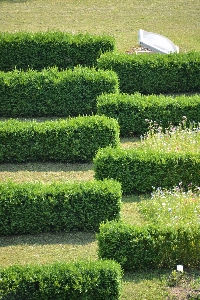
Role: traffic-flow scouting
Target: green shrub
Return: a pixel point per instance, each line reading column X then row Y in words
column 150, row 246
column 78, row 280
column 27, row 208
column 53, row 93
column 154, row 74
column 141, row 169
column 70, row 140
column 23, row 50
column 133, row 111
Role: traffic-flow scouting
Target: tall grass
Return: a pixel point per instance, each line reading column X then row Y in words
column 173, row 139
column 175, row 207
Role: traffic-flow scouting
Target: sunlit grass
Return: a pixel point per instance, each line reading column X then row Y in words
column 46, row 172
column 178, row 20
column 47, row 248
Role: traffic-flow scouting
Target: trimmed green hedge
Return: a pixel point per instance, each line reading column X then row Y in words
column 71, row 140
column 24, row 50
column 131, row 111
column 139, row 170
column 53, row 93
column 147, row 247
column 61, row 281
column 29, row 208
column 154, row 74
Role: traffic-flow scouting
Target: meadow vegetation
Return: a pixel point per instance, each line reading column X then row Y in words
column 121, row 19
column 174, row 139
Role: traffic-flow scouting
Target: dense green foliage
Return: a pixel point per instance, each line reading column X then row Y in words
column 28, row 208
column 53, row 93
column 154, row 74
column 134, row 112
column 150, row 246
column 139, row 170
column 23, row 50
column 61, row 281
column 71, row 140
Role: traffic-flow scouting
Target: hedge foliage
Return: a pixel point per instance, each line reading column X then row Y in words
column 24, row 50
column 29, row 208
column 52, row 92
column 154, row 74
column 139, row 170
column 149, row 246
column 71, row 140
column 132, row 111
column 61, row 281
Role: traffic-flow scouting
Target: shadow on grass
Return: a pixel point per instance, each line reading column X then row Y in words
column 135, row 198
column 139, row 275
column 71, row 238
column 46, row 167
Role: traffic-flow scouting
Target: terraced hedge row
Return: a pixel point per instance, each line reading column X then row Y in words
column 149, row 246
column 139, row 170
column 67, row 140
column 154, row 74
column 60, row 281
column 29, row 208
column 26, row 50
column 133, row 111
column 53, row 93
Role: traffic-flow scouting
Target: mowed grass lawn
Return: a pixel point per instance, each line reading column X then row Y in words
column 178, row 20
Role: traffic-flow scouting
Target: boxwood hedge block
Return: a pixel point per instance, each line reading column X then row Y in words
column 154, row 74
column 28, row 208
column 133, row 111
column 61, row 281
column 149, row 246
column 53, row 93
column 139, row 170
column 70, row 140
column 24, row 50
